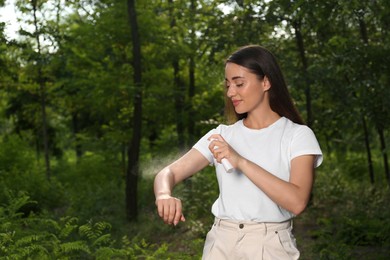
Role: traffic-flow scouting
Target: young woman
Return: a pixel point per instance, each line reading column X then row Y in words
column 273, row 155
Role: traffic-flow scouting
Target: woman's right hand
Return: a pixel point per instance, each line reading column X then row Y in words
column 170, row 209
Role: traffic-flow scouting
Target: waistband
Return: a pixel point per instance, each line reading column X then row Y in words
column 251, row 226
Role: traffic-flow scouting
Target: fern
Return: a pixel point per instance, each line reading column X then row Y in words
column 48, row 224
column 27, row 240
column 104, row 253
column 27, row 252
column 102, row 240
column 102, row 225
column 70, row 225
column 36, row 251
column 15, row 203
column 141, row 249
column 87, row 231
column 93, row 231
column 39, row 237
column 74, row 246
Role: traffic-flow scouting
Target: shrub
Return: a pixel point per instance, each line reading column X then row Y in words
column 20, row 171
column 40, row 237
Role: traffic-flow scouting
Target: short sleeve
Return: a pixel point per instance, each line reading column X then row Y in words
column 203, row 145
column 304, row 142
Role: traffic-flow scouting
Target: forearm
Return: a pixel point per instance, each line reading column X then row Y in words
column 170, row 208
column 186, row 166
column 164, row 183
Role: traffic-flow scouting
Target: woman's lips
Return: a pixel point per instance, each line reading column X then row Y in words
column 236, row 102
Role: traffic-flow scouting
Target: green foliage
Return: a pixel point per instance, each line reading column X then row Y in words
column 16, row 155
column 44, row 238
column 21, row 172
column 86, row 67
column 91, row 185
column 350, row 217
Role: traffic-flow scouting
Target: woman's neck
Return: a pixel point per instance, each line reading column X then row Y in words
column 259, row 121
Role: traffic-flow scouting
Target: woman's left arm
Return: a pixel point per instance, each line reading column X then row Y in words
column 292, row 195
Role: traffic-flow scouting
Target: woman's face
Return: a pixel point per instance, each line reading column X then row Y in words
column 244, row 89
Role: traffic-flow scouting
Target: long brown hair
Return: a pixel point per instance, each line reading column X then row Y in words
column 262, row 62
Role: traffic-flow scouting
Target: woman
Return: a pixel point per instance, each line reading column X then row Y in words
column 273, row 155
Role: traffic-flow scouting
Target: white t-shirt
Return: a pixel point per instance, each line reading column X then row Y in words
column 272, row 148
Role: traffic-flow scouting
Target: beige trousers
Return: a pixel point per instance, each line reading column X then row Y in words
column 230, row 240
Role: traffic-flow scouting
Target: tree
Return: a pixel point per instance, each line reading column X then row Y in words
column 35, row 79
column 178, row 84
column 134, row 147
column 42, row 88
column 377, row 106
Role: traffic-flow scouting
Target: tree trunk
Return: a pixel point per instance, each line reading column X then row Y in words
column 123, row 158
column 301, row 50
column 191, row 75
column 179, row 105
column 364, row 36
column 178, row 87
column 368, row 150
column 42, row 94
column 191, row 94
column 384, row 153
column 76, row 131
column 134, row 146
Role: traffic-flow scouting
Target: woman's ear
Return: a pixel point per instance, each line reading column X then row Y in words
column 266, row 84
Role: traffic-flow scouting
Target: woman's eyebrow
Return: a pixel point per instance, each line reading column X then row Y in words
column 235, row 77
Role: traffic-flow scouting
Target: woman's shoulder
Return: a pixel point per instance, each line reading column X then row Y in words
column 297, row 129
column 228, row 128
column 232, row 125
column 289, row 123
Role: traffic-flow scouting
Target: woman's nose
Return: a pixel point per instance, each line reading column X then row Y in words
column 230, row 92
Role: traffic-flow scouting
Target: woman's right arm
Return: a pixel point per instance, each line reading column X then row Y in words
column 170, row 208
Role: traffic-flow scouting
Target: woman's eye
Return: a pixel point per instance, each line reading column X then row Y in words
column 240, row 84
